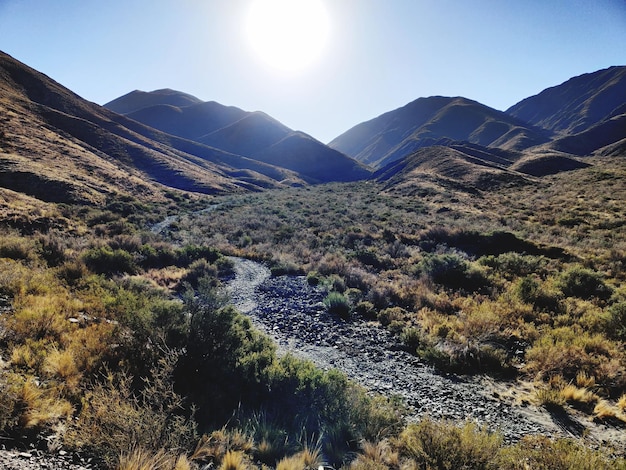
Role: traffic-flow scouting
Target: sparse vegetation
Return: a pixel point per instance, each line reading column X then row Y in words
column 115, row 342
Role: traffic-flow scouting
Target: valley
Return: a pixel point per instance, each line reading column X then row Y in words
column 186, row 285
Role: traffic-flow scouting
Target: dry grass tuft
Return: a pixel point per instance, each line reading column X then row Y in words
column 579, row 397
column 621, row 403
column 141, row 459
column 234, row 460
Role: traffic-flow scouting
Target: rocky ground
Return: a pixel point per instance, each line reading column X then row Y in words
column 34, row 459
column 292, row 313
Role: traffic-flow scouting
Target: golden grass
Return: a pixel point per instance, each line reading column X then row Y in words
column 213, row 447
column 376, row 455
column 621, row 403
column 579, row 396
column 234, row 460
column 41, row 406
column 141, row 459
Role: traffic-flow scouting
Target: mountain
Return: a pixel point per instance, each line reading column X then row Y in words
column 577, row 104
column 254, row 135
column 188, row 122
column 426, row 121
column 250, row 135
column 462, row 142
column 58, row 147
column 587, row 113
column 136, row 100
column 461, row 167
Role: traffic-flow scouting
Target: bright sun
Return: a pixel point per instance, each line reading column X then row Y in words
column 288, row 35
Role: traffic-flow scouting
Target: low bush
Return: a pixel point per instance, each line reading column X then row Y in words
column 583, row 283
column 451, row 270
column 616, row 325
column 443, row 445
column 542, row 452
column 105, row 260
column 337, row 304
column 226, row 362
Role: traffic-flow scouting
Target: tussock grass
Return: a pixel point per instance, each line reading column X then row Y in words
column 141, row 459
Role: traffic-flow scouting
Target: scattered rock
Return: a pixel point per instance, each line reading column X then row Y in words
column 287, row 309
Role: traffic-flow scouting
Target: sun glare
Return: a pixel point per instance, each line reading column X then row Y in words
column 288, row 35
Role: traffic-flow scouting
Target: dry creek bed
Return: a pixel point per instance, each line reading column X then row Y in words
column 291, row 312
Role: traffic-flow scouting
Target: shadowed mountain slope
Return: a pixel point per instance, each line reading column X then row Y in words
column 457, row 167
column 58, row 147
column 189, row 122
column 249, row 135
column 426, row 121
column 316, row 162
column 577, row 104
column 136, row 100
column 593, row 139
column 254, row 135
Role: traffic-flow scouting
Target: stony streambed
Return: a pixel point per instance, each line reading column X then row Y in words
column 291, row 311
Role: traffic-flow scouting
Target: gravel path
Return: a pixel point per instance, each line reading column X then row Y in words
column 291, row 311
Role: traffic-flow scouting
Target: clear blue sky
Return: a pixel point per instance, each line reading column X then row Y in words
column 383, row 53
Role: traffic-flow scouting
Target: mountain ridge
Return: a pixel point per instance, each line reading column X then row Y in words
column 254, row 135
column 425, row 121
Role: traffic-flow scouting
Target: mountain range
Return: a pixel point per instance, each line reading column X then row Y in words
column 57, row 147
column 254, row 135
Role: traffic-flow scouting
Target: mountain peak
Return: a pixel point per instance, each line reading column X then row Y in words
column 138, row 99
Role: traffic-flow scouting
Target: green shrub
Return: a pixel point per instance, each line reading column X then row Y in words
column 337, row 304
column 617, row 321
column 391, row 314
column 443, row 445
column 190, row 253
column 583, row 283
column 104, row 260
column 312, row 402
column 411, row 337
column 514, row 264
column 226, row 362
column 200, row 269
column 527, row 289
column 313, row 278
column 451, row 270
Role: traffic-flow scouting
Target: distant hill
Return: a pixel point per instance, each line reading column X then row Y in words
column 254, row 135
column 426, row 121
column 136, row 100
column 189, row 122
column 460, row 141
column 577, row 104
column 459, row 167
column 251, row 134
column 58, row 147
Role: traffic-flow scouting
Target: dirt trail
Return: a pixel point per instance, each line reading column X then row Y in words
column 289, row 310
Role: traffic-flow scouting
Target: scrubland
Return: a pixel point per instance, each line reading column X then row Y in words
column 116, row 342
